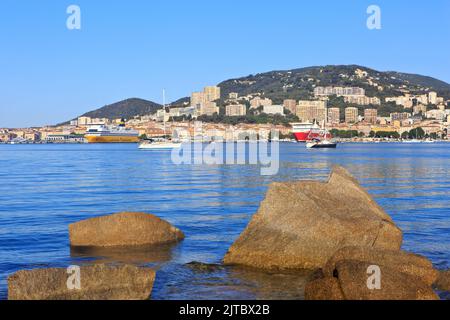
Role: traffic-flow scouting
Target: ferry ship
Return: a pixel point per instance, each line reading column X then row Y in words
column 306, row 131
column 100, row 133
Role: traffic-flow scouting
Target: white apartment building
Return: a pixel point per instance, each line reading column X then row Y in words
column 339, row 91
column 362, row 100
column 273, row 109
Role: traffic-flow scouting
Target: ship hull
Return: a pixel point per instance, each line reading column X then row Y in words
column 305, row 136
column 322, row 146
column 112, row 139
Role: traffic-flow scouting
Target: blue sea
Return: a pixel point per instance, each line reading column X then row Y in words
column 44, row 188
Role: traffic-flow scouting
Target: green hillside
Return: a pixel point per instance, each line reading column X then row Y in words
column 127, row 109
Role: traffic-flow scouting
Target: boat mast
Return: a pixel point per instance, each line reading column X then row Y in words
column 164, row 113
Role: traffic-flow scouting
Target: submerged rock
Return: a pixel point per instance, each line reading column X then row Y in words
column 123, row 229
column 443, row 281
column 204, row 267
column 400, row 261
column 351, row 280
column 300, row 225
column 98, row 282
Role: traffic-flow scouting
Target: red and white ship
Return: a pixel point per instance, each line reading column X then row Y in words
column 308, row 131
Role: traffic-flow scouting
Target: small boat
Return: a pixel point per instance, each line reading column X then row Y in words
column 412, row 141
column 162, row 143
column 159, row 144
column 321, row 144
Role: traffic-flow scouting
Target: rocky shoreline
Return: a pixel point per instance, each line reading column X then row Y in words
column 333, row 229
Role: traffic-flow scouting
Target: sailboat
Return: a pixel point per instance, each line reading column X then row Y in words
column 317, row 143
column 162, row 142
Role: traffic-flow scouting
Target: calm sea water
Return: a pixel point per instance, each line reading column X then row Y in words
column 43, row 188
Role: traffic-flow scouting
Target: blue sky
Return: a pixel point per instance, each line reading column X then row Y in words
column 49, row 74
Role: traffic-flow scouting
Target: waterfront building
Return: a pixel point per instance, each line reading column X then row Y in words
column 6, row 136
column 291, row 105
column 234, row 110
column 351, row 115
column 312, row 110
column 370, row 116
column 273, row 109
column 334, row 115
column 64, row 138
column 32, row 136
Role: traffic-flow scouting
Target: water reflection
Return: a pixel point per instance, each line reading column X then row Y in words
column 141, row 255
column 224, row 282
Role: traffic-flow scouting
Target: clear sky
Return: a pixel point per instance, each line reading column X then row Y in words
column 49, row 74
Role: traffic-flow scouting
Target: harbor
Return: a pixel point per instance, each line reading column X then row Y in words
column 212, row 204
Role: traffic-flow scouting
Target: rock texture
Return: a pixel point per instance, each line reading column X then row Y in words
column 350, row 282
column 98, row 282
column 300, row 225
column 400, row 261
column 443, row 281
column 324, row 289
column 123, row 229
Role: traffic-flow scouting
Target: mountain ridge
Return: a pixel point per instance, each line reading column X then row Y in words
column 295, row 84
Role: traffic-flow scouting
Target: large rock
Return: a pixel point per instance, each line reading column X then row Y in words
column 98, row 282
column 401, row 261
column 324, row 289
column 300, row 225
column 443, row 281
column 350, row 282
column 123, row 229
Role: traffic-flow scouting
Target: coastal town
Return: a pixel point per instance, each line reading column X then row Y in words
column 422, row 116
